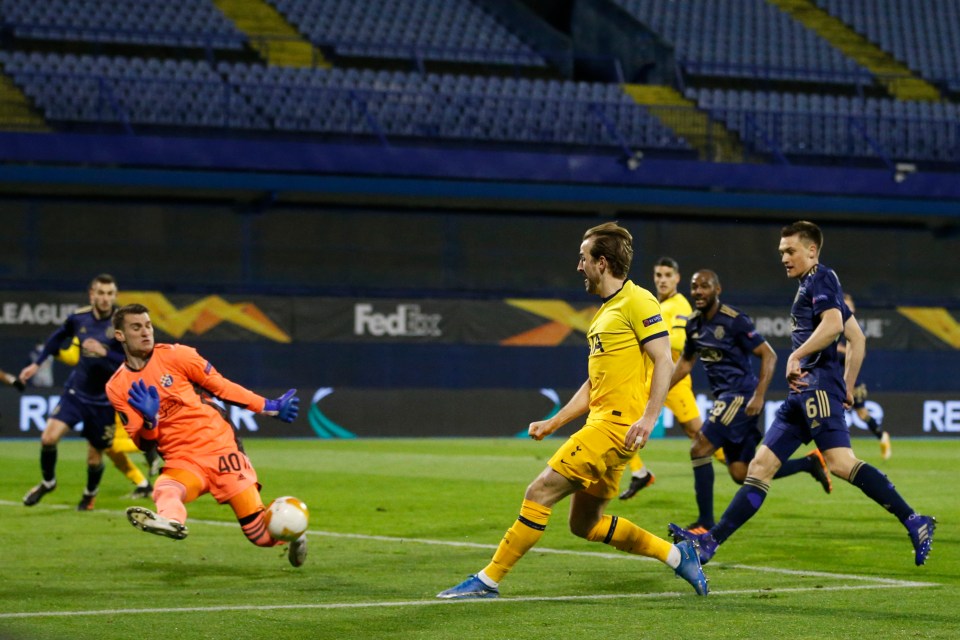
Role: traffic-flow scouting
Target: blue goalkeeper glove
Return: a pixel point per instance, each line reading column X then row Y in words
column 285, row 408
column 146, row 401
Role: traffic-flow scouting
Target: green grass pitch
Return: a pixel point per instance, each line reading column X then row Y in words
column 393, row 522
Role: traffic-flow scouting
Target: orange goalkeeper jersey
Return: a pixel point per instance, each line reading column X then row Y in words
column 186, row 424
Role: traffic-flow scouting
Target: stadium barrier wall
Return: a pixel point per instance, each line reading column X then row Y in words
column 452, row 367
column 350, row 412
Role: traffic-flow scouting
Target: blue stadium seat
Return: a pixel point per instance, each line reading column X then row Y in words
column 744, row 38
column 189, row 23
column 455, row 30
column 924, row 35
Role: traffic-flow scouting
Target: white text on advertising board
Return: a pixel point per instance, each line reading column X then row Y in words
column 42, row 313
column 781, row 327
column 406, row 322
column 34, row 410
column 941, row 416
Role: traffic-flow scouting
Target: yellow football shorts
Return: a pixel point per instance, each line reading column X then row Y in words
column 681, row 401
column 594, row 457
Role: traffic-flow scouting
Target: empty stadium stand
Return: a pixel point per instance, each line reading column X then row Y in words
column 455, row 31
column 787, row 81
column 172, row 23
column 925, row 34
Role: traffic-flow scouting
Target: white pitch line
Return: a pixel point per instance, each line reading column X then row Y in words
column 571, row 552
column 590, row 554
column 434, row 602
column 874, row 582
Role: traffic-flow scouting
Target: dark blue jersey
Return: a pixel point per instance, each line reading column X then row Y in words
column 89, row 378
column 818, row 293
column 725, row 345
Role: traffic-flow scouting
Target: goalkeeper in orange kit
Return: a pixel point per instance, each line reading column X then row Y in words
column 163, row 395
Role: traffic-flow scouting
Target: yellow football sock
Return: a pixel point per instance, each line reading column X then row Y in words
column 518, row 539
column 636, row 464
column 125, row 465
column 626, row 536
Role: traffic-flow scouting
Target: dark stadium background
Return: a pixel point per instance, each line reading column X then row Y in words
column 456, row 172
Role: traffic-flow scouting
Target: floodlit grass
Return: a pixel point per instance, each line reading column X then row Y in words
column 393, row 522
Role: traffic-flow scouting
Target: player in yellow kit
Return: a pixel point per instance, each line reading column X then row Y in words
column 680, row 399
column 626, row 336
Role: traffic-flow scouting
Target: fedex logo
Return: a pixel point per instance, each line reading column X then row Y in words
column 406, row 322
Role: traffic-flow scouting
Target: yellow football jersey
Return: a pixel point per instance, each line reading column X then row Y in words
column 617, row 366
column 676, row 310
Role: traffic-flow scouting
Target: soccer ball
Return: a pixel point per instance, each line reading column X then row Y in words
column 287, row 518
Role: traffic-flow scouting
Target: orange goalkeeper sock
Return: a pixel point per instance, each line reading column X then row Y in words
column 169, row 495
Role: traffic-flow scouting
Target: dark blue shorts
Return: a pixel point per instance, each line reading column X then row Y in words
column 98, row 419
column 811, row 415
column 730, row 428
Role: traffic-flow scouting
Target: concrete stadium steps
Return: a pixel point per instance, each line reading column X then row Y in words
column 275, row 39
column 711, row 138
column 16, row 112
column 898, row 79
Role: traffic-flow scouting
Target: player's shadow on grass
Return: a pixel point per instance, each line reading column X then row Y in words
column 205, row 571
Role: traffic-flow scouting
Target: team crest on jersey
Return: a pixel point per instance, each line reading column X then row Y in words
column 719, row 333
column 166, row 380
column 652, row 320
column 711, row 355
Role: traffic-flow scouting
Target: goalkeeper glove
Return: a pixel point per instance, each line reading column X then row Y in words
column 284, row 408
column 146, row 401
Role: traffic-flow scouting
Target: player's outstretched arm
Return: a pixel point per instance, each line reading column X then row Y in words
column 12, row 380
column 681, row 369
column 831, row 326
column 285, row 408
column 768, row 365
column 578, row 405
column 659, row 351
column 856, row 350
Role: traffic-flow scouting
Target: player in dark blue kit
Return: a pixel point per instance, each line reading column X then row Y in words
column 860, row 397
column 84, row 398
column 725, row 339
column 814, row 409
